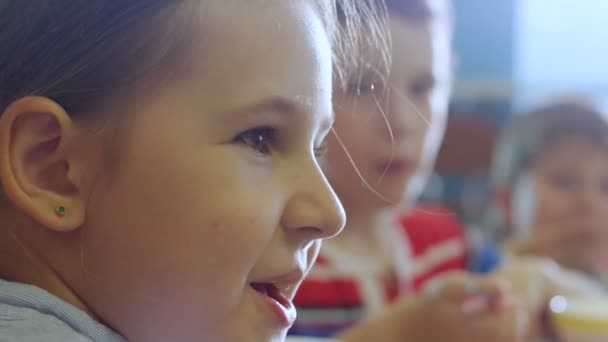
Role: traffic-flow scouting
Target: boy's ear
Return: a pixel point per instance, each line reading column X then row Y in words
column 40, row 175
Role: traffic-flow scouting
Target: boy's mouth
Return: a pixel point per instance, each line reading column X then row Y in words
column 394, row 167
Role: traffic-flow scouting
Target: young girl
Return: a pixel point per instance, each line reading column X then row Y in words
column 390, row 130
column 159, row 167
column 550, row 178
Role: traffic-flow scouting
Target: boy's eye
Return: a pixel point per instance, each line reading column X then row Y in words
column 421, row 88
column 563, row 182
column 259, row 139
column 364, row 87
column 604, row 187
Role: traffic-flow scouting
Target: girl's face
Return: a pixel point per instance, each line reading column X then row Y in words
column 570, row 187
column 393, row 131
column 213, row 214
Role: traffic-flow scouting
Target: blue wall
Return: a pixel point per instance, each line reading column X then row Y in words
column 484, row 38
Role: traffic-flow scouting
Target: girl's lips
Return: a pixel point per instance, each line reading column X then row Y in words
column 276, row 302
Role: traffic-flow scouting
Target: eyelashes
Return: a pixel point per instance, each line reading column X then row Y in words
column 321, row 150
column 259, row 139
column 263, row 140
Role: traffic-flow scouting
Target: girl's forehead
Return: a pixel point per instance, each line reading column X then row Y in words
column 247, row 53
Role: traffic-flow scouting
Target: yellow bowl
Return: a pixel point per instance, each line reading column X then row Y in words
column 578, row 319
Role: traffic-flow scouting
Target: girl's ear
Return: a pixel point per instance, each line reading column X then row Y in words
column 40, row 171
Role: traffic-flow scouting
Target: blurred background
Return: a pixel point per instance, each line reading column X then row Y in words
column 513, row 55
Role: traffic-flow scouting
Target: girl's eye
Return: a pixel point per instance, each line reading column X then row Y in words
column 259, row 139
column 321, row 151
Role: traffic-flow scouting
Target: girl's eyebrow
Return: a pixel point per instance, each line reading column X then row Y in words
column 284, row 107
column 278, row 105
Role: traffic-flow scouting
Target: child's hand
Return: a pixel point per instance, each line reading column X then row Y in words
column 462, row 307
column 458, row 308
column 536, row 280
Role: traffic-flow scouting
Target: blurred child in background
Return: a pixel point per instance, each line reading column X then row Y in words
column 550, row 180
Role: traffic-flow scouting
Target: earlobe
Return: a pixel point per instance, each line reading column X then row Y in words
column 35, row 163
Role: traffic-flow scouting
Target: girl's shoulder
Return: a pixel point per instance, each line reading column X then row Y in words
column 30, row 314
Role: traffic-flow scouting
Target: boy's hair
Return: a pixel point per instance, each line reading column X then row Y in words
column 530, row 134
column 81, row 53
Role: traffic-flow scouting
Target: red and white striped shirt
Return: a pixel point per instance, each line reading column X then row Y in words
column 425, row 243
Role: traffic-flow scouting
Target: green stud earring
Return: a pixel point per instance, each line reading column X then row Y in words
column 60, row 211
